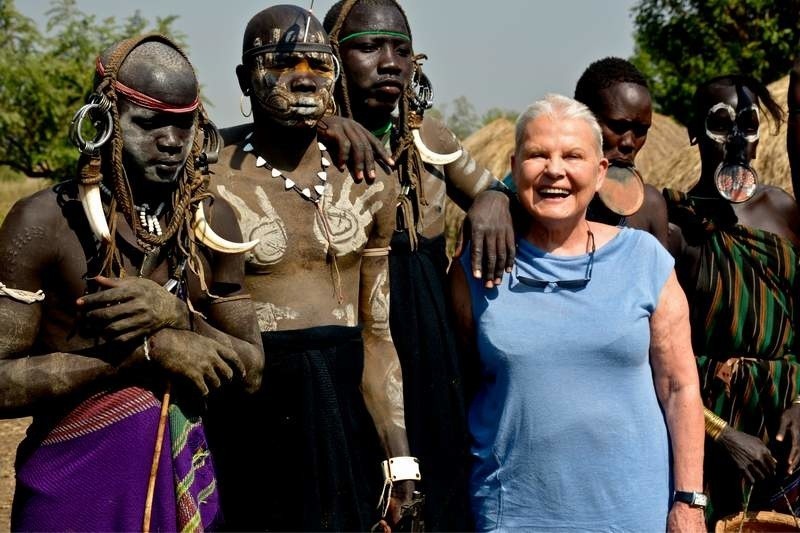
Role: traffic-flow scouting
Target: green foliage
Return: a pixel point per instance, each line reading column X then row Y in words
column 681, row 43
column 464, row 120
column 495, row 113
column 47, row 76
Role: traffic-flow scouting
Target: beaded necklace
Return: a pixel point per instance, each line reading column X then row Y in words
column 304, row 192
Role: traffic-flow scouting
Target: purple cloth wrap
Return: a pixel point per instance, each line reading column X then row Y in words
column 91, row 471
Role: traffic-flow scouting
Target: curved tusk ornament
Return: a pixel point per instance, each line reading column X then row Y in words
column 206, row 235
column 429, row 156
column 93, row 207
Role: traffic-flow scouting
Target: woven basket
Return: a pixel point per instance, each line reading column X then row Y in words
column 757, row 521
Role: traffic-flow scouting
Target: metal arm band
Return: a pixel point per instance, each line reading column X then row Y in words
column 714, row 424
column 401, row 469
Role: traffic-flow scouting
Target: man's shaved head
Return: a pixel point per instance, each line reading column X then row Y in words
column 283, row 25
column 158, row 70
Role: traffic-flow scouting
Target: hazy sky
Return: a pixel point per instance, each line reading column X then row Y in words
column 497, row 53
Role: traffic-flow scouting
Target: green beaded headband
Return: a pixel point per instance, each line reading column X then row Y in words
column 376, row 32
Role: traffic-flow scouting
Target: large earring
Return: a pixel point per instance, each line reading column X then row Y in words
column 241, row 107
column 337, row 68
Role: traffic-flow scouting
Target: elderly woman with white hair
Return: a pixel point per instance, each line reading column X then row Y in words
column 586, row 413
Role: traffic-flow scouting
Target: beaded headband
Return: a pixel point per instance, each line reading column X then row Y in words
column 385, row 33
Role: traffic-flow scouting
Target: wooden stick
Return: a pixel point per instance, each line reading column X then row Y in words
column 151, row 486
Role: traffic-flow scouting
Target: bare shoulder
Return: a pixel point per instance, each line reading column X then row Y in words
column 42, row 210
column 36, row 227
column 438, row 137
column 653, row 197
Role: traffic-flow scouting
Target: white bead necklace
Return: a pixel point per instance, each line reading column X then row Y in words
column 148, row 218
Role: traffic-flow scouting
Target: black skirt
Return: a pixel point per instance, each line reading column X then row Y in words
column 432, row 383
column 302, row 454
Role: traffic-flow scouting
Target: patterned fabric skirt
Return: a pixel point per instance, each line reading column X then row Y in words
column 90, row 472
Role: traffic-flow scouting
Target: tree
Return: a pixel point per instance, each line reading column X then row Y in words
column 681, row 43
column 46, row 77
column 495, row 113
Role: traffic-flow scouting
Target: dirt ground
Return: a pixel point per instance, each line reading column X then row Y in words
column 11, row 432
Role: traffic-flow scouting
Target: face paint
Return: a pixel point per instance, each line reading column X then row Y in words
column 295, row 89
column 735, row 179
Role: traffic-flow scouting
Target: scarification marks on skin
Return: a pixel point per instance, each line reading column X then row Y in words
column 379, row 305
column 14, row 251
column 267, row 227
column 269, row 315
column 346, row 314
column 348, row 220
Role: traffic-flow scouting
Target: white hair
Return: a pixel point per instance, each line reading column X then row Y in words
column 557, row 106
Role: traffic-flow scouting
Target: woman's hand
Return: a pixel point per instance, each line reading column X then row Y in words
column 354, row 146
column 749, row 453
column 684, row 518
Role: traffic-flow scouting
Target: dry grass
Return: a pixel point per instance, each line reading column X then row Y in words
column 13, row 190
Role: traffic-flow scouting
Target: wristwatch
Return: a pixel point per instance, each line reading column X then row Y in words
column 693, row 499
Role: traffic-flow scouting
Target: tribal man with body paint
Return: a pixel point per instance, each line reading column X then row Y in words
column 117, row 296
column 305, row 452
column 737, row 246
column 383, row 88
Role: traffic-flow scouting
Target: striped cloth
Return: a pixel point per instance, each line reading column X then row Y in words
column 743, row 332
column 89, row 470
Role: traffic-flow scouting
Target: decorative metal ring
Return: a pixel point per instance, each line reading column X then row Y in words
column 337, row 70
column 422, row 90
column 103, row 131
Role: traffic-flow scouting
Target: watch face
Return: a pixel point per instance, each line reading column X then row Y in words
column 700, row 499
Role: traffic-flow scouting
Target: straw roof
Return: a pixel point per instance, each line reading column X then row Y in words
column 681, row 170
column 491, row 146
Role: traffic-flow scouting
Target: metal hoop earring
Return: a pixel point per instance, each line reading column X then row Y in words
column 337, row 68
column 241, row 107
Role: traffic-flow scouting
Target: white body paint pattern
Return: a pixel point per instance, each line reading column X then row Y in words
column 394, row 389
column 348, row 220
column 379, row 303
column 267, row 227
column 268, row 315
column 348, row 314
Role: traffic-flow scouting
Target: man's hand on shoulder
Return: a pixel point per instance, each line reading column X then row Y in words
column 353, row 146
